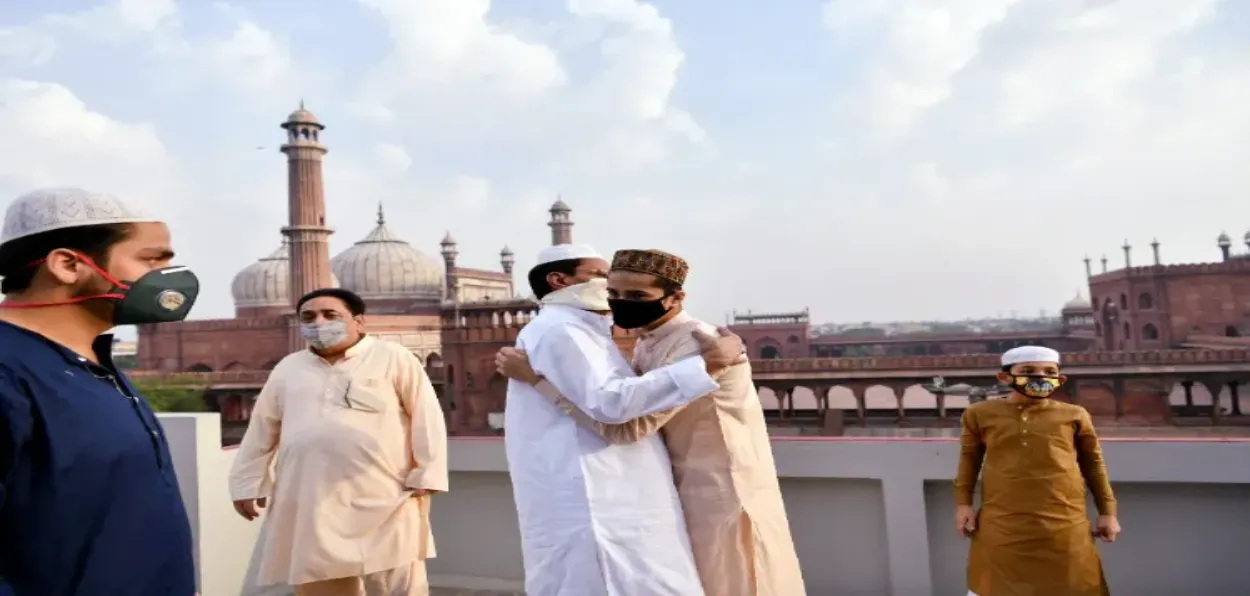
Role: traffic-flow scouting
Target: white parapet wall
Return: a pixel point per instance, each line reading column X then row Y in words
column 224, row 542
column 870, row 517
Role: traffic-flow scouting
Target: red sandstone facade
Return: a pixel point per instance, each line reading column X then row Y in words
column 1164, row 306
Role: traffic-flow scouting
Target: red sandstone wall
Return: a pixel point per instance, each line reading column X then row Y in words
column 1207, row 304
column 217, row 345
column 396, row 306
column 789, row 340
column 1158, row 307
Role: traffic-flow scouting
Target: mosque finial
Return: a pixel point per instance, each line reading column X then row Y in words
column 381, row 215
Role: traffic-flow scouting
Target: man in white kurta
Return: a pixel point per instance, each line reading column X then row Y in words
column 597, row 519
column 360, row 443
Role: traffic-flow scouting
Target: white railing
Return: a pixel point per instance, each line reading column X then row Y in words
column 870, row 517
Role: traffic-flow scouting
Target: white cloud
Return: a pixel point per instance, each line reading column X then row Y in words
column 471, row 192
column 392, row 156
column 451, row 43
column 25, row 47
column 1093, row 59
column 915, row 48
column 52, row 138
column 252, row 58
column 249, row 59
column 456, row 75
column 119, row 19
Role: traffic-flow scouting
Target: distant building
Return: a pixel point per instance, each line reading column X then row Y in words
column 1157, row 306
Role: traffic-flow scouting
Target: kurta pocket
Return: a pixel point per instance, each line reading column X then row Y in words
column 363, row 398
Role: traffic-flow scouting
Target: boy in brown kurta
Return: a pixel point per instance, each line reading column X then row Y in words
column 1032, row 536
column 722, row 459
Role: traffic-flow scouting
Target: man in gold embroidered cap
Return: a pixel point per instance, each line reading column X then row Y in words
column 722, row 459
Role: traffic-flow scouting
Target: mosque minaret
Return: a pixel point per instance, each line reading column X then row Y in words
column 307, row 233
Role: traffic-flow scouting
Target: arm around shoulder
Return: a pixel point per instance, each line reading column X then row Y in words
column 624, row 433
column 584, row 370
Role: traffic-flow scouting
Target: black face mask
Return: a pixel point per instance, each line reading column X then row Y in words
column 635, row 314
column 160, row 296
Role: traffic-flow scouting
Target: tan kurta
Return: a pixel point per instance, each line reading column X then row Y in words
column 351, row 441
column 724, row 470
column 1033, row 536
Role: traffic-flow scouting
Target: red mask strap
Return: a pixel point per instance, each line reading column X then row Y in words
column 88, row 262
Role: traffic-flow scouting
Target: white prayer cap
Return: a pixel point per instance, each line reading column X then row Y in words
column 50, row 209
column 1030, row 354
column 566, row 252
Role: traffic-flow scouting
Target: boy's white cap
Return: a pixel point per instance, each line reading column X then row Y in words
column 1030, row 354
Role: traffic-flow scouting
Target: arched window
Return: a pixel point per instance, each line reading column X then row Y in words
column 793, row 339
column 1097, row 329
column 1123, row 302
column 1149, row 331
column 200, row 368
column 1231, row 331
column 770, row 353
column 1145, row 301
column 1128, row 332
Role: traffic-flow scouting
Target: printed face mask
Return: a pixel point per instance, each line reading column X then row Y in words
column 1036, row 387
column 322, row 336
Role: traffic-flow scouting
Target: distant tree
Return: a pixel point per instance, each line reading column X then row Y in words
column 950, row 329
column 173, row 397
column 126, row 362
column 863, row 332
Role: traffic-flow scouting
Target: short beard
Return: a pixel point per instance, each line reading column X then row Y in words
column 100, row 308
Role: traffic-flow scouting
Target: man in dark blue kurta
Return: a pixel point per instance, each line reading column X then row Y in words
column 89, row 504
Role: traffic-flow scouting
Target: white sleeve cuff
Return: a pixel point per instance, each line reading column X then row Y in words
column 690, row 376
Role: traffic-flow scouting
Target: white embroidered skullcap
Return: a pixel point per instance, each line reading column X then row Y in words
column 566, row 252
column 1030, row 354
column 50, row 209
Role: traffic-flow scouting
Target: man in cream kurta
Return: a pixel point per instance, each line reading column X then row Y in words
column 722, row 459
column 360, row 443
column 597, row 519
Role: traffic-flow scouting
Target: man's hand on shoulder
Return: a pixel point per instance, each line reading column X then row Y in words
column 720, row 351
column 515, row 364
column 249, row 508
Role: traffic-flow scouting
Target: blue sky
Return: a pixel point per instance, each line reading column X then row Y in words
column 871, row 160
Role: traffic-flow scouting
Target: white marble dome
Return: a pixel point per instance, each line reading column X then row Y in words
column 1077, row 303
column 264, row 284
column 381, row 266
